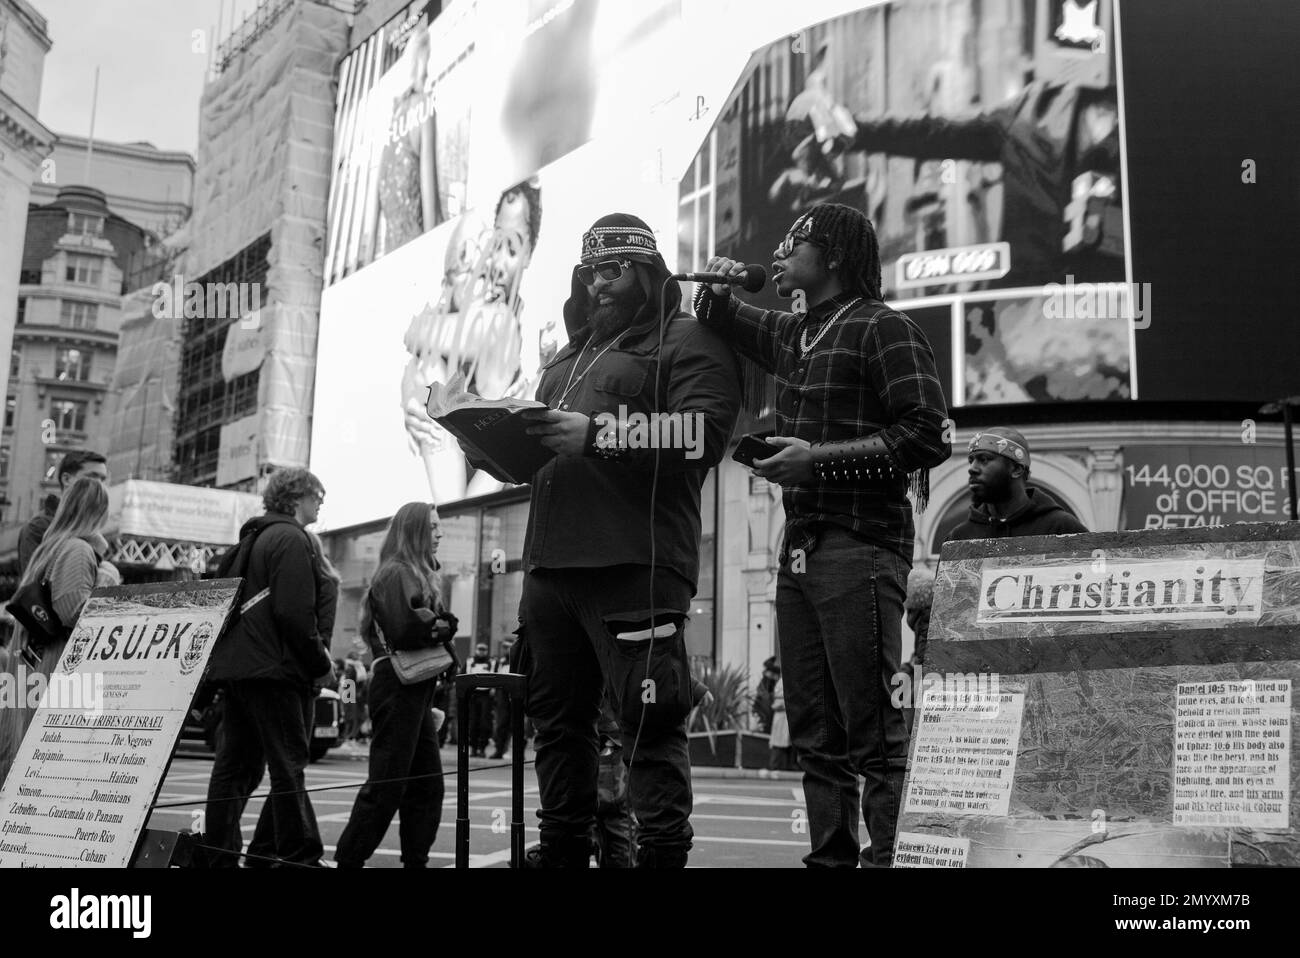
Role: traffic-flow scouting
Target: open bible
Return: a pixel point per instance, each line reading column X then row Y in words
column 490, row 430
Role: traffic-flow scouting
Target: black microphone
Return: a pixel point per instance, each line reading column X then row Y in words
column 751, row 280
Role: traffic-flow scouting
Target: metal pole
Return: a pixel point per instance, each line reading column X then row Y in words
column 516, row 698
column 462, row 772
column 1290, row 456
column 90, row 140
column 139, row 446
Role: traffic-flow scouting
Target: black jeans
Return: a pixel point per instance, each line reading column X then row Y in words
column 405, row 774
column 262, row 847
column 263, row 727
column 841, row 635
column 571, row 617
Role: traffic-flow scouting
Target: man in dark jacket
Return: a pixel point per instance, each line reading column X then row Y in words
column 591, row 535
column 271, row 661
column 1002, row 504
column 80, row 462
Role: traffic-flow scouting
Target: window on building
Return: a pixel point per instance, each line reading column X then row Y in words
column 79, row 315
column 52, row 462
column 15, row 363
column 11, row 411
column 695, row 210
column 69, row 414
column 22, row 310
column 4, row 462
column 88, row 270
column 73, row 364
column 85, row 224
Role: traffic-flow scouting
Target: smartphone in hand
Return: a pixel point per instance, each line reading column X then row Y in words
column 753, row 447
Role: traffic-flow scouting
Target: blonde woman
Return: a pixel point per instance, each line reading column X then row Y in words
column 71, row 558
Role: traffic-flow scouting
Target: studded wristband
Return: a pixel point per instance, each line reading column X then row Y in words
column 855, row 460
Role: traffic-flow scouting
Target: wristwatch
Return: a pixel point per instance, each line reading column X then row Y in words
column 603, row 446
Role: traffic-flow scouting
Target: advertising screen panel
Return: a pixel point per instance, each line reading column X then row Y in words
column 985, row 148
column 480, row 293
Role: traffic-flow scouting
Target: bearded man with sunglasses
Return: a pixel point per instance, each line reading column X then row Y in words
column 859, row 410
column 613, row 531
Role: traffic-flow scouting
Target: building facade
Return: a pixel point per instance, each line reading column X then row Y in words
column 65, row 340
column 152, row 188
column 24, row 144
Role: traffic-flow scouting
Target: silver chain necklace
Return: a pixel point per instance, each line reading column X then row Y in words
column 807, row 347
column 569, row 386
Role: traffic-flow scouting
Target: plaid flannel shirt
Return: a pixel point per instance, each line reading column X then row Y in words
column 873, row 374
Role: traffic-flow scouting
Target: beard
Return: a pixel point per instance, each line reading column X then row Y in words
column 617, row 316
column 990, row 492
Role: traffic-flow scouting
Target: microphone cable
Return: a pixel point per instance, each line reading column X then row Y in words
column 654, row 489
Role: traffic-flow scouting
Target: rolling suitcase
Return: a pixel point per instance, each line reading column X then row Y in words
column 515, row 687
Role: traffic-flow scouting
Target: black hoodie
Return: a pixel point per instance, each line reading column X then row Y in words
column 1041, row 516
column 588, row 512
column 276, row 638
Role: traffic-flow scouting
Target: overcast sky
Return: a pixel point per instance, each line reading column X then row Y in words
column 150, row 76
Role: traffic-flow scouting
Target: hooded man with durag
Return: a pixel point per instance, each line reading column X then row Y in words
column 614, row 531
column 1003, row 504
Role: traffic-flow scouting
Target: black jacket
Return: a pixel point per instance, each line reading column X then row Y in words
column 588, row 511
column 277, row 637
column 1041, row 516
column 403, row 607
column 34, row 531
column 327, row 603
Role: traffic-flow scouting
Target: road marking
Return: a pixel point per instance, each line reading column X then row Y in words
column 743, row 801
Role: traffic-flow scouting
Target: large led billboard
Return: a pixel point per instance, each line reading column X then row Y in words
column 1062, row 221
column 464, row 264
column 983, row 141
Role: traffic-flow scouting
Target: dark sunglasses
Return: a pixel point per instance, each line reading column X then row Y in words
column 788, row 244
column 608, row 270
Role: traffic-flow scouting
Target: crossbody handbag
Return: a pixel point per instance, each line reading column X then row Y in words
column 33, row 607
column 415, row 665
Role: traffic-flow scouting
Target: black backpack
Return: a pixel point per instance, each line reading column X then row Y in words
column 234, row 565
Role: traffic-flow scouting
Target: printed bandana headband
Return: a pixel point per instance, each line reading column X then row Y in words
column 999, row 446
column 801, row 230
column 611, row 242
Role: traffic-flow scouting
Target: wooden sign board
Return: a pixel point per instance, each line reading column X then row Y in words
column 90, row 766
column 1109, row 700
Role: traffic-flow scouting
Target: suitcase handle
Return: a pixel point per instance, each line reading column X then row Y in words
column 515, row 686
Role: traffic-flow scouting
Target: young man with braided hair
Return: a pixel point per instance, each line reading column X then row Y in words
column 859, row 409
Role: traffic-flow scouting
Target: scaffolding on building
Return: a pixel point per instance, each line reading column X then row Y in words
column 206, row 401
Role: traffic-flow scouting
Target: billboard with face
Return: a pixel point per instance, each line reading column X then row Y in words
column 479, row 291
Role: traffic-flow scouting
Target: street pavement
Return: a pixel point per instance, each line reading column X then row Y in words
column 738, row 822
